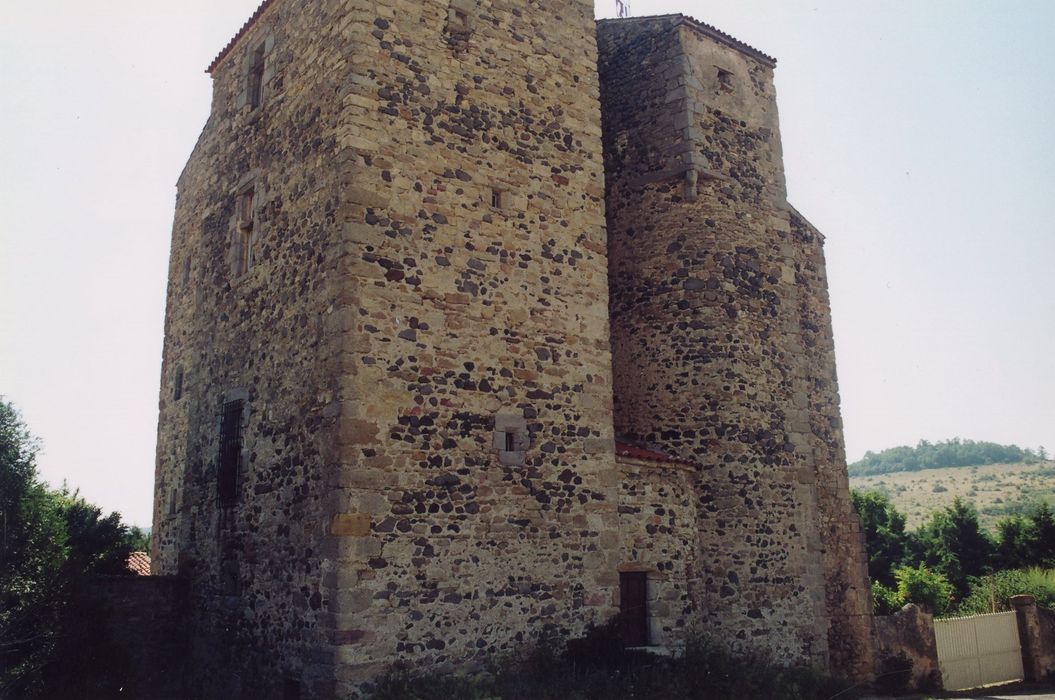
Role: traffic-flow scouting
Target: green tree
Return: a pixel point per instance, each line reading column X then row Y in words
column 885, row 536
column 51, row 542
column 926, row 588
column 954, row 544
column 32, row 552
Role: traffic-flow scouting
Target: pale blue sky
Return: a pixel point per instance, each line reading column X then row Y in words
column 918, row 136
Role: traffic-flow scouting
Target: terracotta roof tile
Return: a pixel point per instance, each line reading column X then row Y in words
column 625, row 449
column 241, row 32
column 708, row 30
column 139, row 563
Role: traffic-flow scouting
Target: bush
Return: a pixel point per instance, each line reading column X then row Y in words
column 991, row 594
column 927, row 589
column 885, row 601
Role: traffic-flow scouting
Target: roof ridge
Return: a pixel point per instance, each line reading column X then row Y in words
column 241, row 32
column 703, row 27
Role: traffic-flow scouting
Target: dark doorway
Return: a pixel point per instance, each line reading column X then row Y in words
column 633, row 608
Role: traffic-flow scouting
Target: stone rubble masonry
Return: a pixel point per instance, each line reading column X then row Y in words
column 721, row 340
column 910, row 633
column 421, row 343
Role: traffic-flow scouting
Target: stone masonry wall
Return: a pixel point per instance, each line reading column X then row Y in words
column 268, row 336
column 657, row 521
column 474, row 311
column 848, row 589
column 710, row 360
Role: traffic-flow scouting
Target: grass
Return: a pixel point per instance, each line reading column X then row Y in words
column 996, row 490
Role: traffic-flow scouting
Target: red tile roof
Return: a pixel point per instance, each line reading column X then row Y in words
column 702, row 27
column 139, row 563
column 625, row 449
column 241, row 32
column 707, row 30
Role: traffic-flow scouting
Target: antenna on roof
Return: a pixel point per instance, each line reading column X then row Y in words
column 623, row 7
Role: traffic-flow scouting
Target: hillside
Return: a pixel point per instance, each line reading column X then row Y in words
column 996, row 490
column 938, row 455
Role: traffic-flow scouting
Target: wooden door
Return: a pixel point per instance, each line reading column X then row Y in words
column 633, row 608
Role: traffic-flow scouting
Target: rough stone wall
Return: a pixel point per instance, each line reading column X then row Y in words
column 268, row 336
column 710, row 358
column 143, row 629
column 848, row 590
column 1036, row 632
column 657, row 521
column 474, row 307
column 909, row 633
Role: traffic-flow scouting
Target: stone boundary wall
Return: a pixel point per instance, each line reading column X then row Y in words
column 1036, row 631
column 143, row 618
column 910, row 631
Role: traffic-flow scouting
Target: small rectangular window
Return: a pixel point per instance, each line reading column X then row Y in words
column 496, row 198
column 461, row 19
column 510, row 442
column 230, row 452
column 256, row 78
column 177, row 390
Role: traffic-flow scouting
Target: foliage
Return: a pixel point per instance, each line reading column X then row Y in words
column 885, row 537
column 52, row 541
column 993, row 593
column 951, row 453
column 953, row 543
column 928, row 589
column 599, row 667
column 885, row 601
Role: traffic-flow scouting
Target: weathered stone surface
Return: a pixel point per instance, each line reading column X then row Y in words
column 721, row 338
column 395, row 254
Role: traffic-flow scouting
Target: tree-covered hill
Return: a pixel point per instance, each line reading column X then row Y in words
column 939, row 455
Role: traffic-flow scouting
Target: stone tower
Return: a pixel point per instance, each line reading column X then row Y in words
column 721, row 337
column 385, row 426
column 386, row 422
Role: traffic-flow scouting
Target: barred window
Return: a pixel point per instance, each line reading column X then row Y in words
column 230, row 452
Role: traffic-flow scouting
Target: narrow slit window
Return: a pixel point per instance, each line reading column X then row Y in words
column 230, row 452
column 177, row 389
column 510, row 442
column 496, row 198
column 461, row 19
column 256, row 78
column 246, row 224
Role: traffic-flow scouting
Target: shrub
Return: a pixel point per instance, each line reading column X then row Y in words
column 885, row 601
column 927, row 589
column 991, row 594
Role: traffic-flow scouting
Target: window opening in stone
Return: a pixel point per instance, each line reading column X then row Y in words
column 177, row 391
column 461, row 19
column 633, row 608
column 186, row 271
column 246, row 213
column 256, row 77
column 230, row 452
column 510, row 442
column 496, row 198
column 725, row 80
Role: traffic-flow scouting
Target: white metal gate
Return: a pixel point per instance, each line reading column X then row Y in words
column 979, row 650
